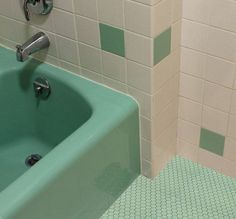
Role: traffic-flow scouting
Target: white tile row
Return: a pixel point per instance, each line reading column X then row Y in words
column 217, row 13
column 210, row 40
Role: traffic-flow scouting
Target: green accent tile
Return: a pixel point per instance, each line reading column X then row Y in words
column 212, row 142
column 112, row 39
column 162, row 45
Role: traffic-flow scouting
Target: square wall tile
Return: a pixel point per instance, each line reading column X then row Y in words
column 64, row 24
column 112, row 39
column 67, row 50
column 166, row 69
column 190, row 110
column 209, row 159
column 6, row 8
column 139, row 76
column 217, row 96
column 165, row 118
column 166, row 94
column 162, row 46
column 9, row 27
column 188, row 132
column 214, row 120
column 191, row 87
column 88, row 31
column 18, row 12
column 187, row 150
column 65, row 5
column 141, row 23
column 44, row 22
column 90, row 58
column 86, row 8
column 111, row 12
column 221, row 43
column 196, row 10
column 114, row 66
column 24, row 32
column 193, row 62
column 161, row 17
column 218, row 14
column 220, row 71
column 194, row 35
column 212, row 141
column 160, row 161
column 138, row 48
column 166, row 140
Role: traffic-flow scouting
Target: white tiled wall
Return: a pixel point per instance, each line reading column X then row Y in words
column 73, row 29
column 207, row 81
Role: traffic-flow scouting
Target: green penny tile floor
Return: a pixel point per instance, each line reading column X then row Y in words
column 182, row 190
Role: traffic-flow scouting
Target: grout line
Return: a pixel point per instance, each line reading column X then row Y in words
column 207, row 80
column 209, row 25
column 207, row 54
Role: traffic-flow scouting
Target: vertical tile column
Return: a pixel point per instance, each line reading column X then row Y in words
column 152, row 35
column 207, row 121
column 166, row 56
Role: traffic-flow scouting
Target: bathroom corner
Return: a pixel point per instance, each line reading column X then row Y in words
column 130, row 106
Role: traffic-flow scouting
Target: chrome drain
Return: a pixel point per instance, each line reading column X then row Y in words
column 32, row 159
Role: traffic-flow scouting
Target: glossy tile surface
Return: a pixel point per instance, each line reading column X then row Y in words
column 212, row 141
column 112, row 39
column 162, row 46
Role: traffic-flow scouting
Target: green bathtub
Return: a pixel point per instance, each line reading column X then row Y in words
column 87, row 135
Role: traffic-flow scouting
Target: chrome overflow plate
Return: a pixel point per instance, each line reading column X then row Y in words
column 32, row 159
column 42, row 88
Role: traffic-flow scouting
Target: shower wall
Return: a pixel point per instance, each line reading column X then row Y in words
column 132, row 46
column 207, row 103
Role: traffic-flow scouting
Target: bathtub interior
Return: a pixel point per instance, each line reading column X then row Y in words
column 33, row 126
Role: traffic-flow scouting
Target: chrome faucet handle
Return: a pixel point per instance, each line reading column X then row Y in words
column 41, row 7
column 26, row 9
